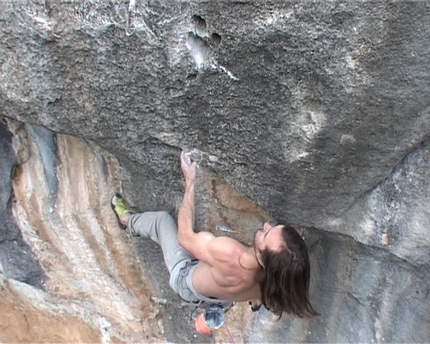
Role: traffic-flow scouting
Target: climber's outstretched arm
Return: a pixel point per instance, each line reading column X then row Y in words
column 195, row 243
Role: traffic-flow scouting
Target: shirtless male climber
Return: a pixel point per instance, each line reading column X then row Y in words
column 206, row 270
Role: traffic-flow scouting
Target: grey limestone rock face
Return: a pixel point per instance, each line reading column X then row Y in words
column 340, row 89
column 364, row 294
column 317, row 112
column 17, row 260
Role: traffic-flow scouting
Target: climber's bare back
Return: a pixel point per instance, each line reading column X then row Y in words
column 230, row 272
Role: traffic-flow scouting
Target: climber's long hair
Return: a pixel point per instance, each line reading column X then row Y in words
column 286, row 274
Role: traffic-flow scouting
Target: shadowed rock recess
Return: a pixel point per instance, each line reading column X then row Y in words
column 317, row 114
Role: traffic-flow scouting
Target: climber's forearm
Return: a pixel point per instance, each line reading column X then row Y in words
column 186, row 215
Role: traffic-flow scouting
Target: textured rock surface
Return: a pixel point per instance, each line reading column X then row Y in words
column 64, row 260
column 317, row 112
column 93, row 290
column 16, row 258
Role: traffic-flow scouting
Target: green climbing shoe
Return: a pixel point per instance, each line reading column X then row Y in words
column 120, row 207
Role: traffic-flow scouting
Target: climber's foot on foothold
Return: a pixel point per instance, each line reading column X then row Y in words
column 121, row 209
